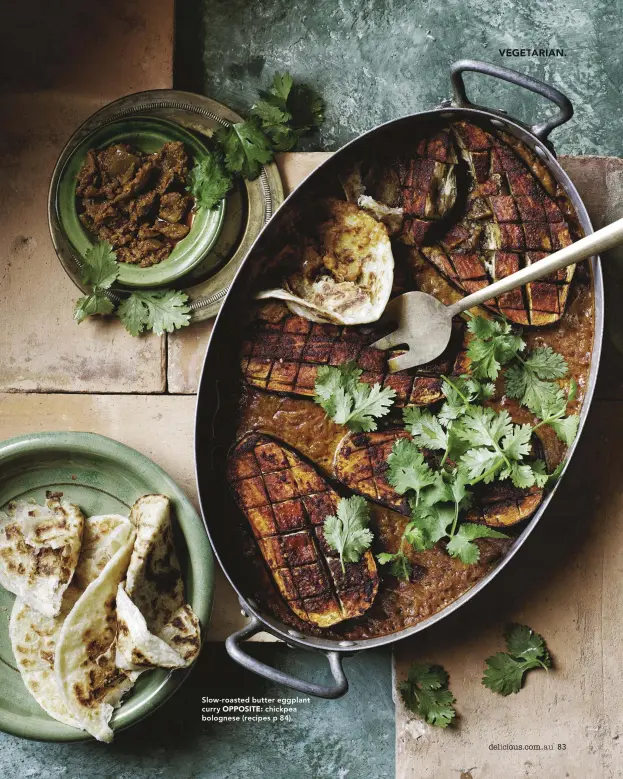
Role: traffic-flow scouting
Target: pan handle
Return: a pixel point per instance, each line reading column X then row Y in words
column 541, row 130
column 235, row 651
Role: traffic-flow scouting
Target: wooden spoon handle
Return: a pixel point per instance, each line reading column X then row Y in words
column 595, row 243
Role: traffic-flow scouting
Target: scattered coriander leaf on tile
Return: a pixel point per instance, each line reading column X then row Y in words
column 161, row 311
column 425, row 692
column 505, row 671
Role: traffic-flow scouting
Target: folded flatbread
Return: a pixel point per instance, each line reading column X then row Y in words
column 155, row 589
column 90, row 684
column 34, row 638
column 39, row 548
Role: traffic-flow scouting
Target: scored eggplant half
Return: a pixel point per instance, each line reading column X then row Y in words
column 479, row 206
column 286, row 502
column 361, row 465
column 282, row 353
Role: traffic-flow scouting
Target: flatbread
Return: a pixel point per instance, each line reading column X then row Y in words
column 183, row 633
column 103, row 535
column 90, row 684
column 154, row 582
column 137, row 648
column 154, row 579
column 39, row 548
column 34, row 638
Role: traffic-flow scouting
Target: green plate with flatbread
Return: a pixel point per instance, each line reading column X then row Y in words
column 101, row 476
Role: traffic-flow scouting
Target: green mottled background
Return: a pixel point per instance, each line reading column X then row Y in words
column 374, row 60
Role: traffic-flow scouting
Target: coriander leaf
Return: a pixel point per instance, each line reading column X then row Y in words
column 348, row 401
column 516, row 443
column 161, row 311
column 432, row 522
column 425, row 692
column 100, row 269
column 437, row 492
column 133, row 313
column 425, row 428
column 95, row 303
column 208, row 181
column 407, row 468
column 540, row 396
column 461, row 544
column 523, row 643
column 348, row 532
column 400, row 566
column 526, row 650
column 281, row 86
column 368, row 403
column 546, row 363
column 504, row 674
column 521, row 475
column 270, row 114
column 246, row 147
column 539, row 469
column 494, row 345
column 329, row 380
column 484, row 427
column 566, row 428
column 481, row 463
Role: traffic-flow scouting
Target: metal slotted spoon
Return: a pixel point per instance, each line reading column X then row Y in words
column 425, row 323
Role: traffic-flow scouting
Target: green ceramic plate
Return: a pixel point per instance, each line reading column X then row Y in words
column 100, row 475
column 147, row 135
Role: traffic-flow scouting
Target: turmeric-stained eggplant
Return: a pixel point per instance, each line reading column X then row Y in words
column 361, row 465
column 286, row 502
column 282, row 353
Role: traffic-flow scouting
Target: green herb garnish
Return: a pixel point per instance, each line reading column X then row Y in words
column 425, row 692
column 208, row 181
column 162, row 310
column 525, row 650
column 348, row 401
column 348, row 532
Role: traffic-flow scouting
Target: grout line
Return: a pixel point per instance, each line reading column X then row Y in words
column 99, row 393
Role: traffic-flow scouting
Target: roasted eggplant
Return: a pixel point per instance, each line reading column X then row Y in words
column 286, row 501
column 511, row 215
column 361, row 465
column 282, row 353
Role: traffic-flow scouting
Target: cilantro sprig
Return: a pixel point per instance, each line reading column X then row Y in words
column 158, row 310
column 284, row 113
column 348, row 532
column 425, row 692
column 348, row 401
column 526, row 649
column 531, row 378
column 99, row 271
column 209, row 181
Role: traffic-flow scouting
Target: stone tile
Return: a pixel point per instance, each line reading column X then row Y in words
column 351, row 737
column 43, row 99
